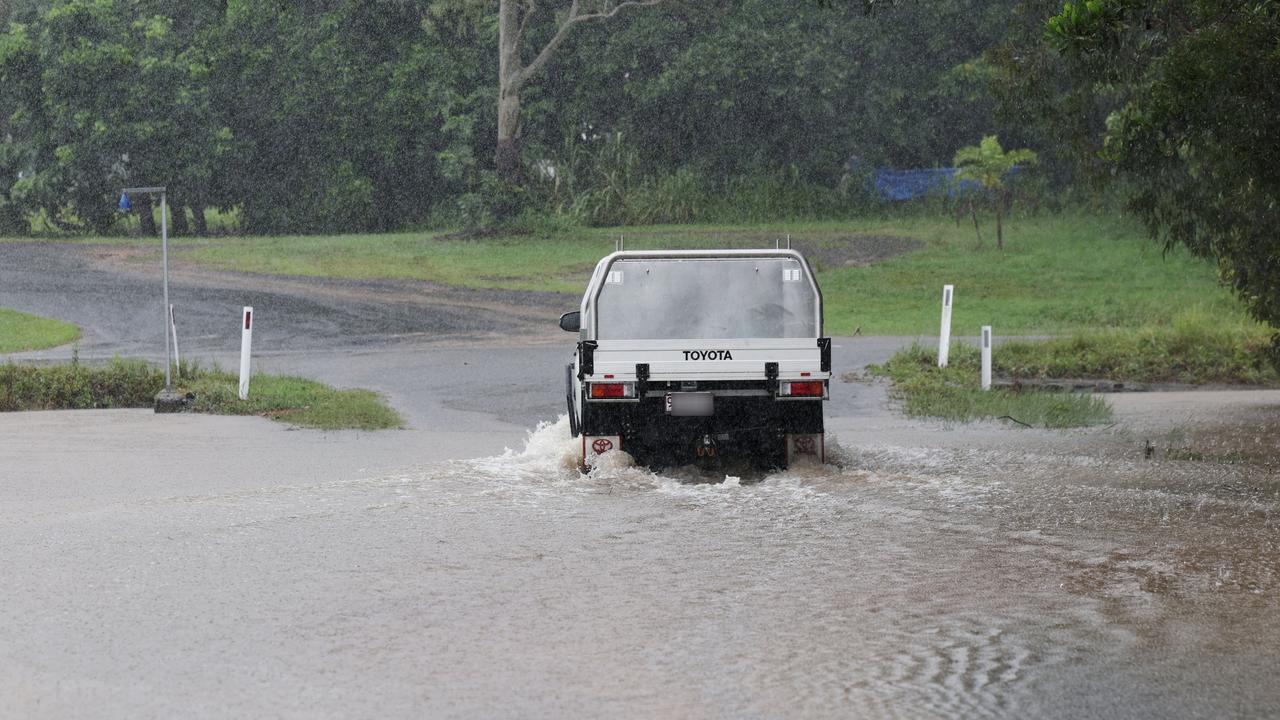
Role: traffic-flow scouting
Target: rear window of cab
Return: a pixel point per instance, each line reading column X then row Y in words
column 706, row 298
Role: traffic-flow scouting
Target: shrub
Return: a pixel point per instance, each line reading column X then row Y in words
column 1196, row 348
column 134, row 384
column 120, row 383
column 954, row 393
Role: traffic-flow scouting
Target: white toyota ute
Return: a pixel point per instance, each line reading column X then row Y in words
column 694, row 356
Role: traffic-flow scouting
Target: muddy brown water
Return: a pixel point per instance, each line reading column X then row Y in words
column 926, row 572
column 899, row 581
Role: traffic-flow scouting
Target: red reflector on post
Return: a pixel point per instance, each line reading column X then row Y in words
column 608, row 390
column 806, row 389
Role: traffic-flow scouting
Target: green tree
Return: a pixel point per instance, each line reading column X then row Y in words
column 21, row 11
column 347, row 115
column 1194, row 129
column 351, row 115
column 987, row 164
column 514, row 72
column 758, row 88
column 1038, row 105
column 102, row 96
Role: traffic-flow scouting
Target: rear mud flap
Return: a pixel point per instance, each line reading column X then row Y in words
column 806, row 446
column 594, row 446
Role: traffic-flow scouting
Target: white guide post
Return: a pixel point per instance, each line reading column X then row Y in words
column 944, row 338
column 173, row 330
column 986, row 357
column 246, row 340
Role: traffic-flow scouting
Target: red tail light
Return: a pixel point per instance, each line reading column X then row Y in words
column 805, row 389
column 602, row 391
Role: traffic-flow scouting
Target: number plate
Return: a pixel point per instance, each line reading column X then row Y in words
column 692, row 404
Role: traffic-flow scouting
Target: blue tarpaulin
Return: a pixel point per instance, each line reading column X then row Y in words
column 908, row 184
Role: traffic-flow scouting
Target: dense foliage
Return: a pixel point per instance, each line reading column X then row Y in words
column 102, row 98
column 1194, row 123
column 350, row 115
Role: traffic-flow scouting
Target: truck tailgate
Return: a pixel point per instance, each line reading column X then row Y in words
column 737, row 359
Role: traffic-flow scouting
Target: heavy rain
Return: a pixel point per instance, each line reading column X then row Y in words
column 967, row 405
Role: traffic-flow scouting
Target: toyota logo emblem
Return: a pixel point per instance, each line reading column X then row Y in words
column 602, row 446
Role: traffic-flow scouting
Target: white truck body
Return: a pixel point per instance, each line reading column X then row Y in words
column 684, row 354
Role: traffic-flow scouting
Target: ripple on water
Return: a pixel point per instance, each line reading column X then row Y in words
column 908, row 581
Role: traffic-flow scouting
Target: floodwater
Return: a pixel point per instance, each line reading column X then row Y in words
column 895, row 582
column 913, row 583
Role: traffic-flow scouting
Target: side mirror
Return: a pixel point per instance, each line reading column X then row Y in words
column 571, row 321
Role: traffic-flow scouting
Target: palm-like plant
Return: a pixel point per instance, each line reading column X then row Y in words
column 986, row 164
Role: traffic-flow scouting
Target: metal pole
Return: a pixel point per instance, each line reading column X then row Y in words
column 164, row 253
column 169, row 326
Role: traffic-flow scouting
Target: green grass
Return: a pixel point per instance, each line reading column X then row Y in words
column 133, row 384
column 1196, row 348
column 218, row 222
column 1057, row 274
column 20, row 331
column 74, row 386
column 558, row 262
column 954, row 393
column 294, row 400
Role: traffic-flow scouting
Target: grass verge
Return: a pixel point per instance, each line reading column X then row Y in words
column 294, row 400
column 20, row 332
column 1197, row 348
column 954, row 393
column 1058, row 274
column 133, row 384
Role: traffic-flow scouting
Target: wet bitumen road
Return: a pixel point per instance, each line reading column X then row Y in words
column 411, row 341
column 159, row 566
column 118, row 302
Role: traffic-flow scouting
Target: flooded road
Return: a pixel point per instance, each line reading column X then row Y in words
column 1004, row 580
column 214, row 567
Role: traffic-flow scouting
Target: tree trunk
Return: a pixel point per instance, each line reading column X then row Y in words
column 507, row 154
column 178, row 219
column 513, row 17
column 146, row 216
column 202, row 224
column 999, row 227
column 974, row 213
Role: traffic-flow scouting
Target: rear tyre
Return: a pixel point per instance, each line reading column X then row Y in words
column 772, row 455
column 574, row 425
